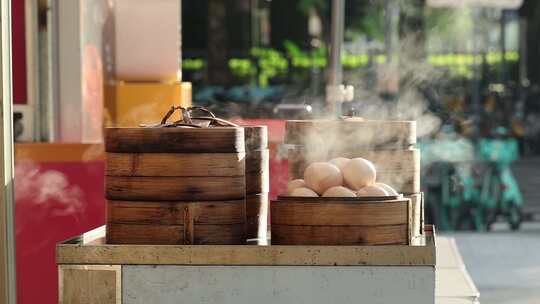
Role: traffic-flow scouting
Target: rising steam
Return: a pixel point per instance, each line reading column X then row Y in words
column 39, row 186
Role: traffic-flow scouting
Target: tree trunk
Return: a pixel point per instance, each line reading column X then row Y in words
column 531, row 12
column 218, row 72
column 412, row 34
column 412, row 44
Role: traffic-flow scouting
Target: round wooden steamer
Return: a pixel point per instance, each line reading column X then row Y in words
column 175, row 140
column 176, row 185
column 257, row 171
column 257, row 159
column 175, row 164
column 257, row 182
column 216, row 222
column 165, row 188
column 339, row 221
column 417, row 202
column 257, row 216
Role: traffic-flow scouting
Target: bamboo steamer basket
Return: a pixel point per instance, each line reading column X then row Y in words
column 257, row 182
column 342, row 221
column 388, row 144
column 352, row 221
column 137, row 170
column 175, row 185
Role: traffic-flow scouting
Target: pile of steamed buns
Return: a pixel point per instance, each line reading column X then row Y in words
column 340, row 177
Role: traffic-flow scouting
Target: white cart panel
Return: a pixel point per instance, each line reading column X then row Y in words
column 278, row 284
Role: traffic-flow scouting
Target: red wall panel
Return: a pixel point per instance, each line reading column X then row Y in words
column 59, row 193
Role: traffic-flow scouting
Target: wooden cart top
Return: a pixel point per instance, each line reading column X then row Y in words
column 90, row 248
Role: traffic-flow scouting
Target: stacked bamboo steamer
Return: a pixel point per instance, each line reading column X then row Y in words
column 257, row 182
column 388, row 144
column 175, row 185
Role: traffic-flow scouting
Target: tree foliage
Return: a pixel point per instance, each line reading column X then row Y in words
column 362, row 17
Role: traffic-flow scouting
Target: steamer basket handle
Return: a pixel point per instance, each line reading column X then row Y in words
column 201, row 109
column 185, row 115
column 218, row 121
column 211, row 118
column 179, row 123
column 187, row 118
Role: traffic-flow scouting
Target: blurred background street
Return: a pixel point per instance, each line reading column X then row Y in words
column 466, row 71
column 527, row 172
column 505, row 266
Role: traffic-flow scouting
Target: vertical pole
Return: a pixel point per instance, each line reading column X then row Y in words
column 53, row 110
column 336, row 36
column 523, row 81
column 476, row 72
column 503, row 46
column 68, row 72
column 388, row 29
column 255, row 34
column 32, row 60
column 254, row 27
column 392, row 13
column 335, row 76
column 7, row 235
column 179, row 77
column 217, row 70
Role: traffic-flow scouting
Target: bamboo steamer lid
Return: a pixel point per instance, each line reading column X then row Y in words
column 203, row 134
column 351, row 132
column 175, row 140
